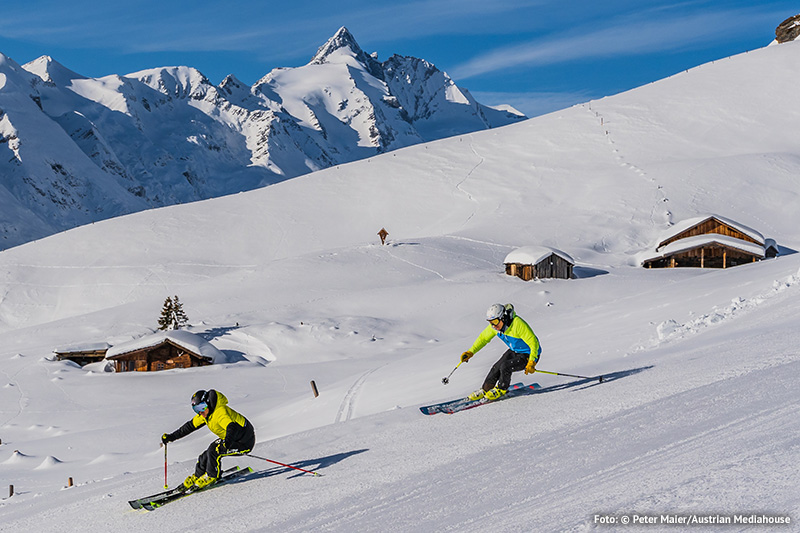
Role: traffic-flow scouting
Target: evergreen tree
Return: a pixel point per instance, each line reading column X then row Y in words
column 179, row 317
column 165, row 320
column 172, row 314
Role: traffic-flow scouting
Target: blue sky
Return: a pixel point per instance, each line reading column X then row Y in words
column 538, row 55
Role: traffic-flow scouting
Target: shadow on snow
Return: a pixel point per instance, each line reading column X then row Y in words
column 590, row 382
column 308, row 464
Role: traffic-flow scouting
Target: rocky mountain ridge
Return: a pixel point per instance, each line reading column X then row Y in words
column 82, row 149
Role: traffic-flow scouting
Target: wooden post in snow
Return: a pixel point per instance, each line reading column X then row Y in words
column 383, row 234
column 314, row 388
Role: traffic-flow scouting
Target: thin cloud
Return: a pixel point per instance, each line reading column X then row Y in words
column 284, row 30
column 236, row 26
column 623, row 39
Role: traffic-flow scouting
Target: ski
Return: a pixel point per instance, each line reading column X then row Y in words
column 149, row 506
column 137, row 504
column 162, row 498
column 518, row 391
column 461, row 404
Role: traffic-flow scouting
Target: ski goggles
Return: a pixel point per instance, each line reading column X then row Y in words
column 496, row 321
column 200, row 407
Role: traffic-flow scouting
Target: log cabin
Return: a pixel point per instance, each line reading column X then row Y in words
column 163, row 351
column 83, row 355
column 539, row 262
column 710, row 242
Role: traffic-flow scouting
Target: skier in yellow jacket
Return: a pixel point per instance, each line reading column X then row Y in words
column 522, row 354
column 235, row 432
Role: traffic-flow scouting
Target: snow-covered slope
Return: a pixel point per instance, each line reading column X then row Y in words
column 47, row 180
column 83, row 149
column 696, row 415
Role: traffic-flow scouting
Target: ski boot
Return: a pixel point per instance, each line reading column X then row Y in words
column 496, row 393
column 204, row 481
column 475, row 396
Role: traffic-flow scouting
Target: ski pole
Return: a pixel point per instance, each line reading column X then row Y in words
column 598, row 378
column 165, row 466
column 447, row 379
column 282, row 464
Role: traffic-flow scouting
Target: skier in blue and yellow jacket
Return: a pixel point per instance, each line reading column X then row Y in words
column 522, row 354
column 235, row 432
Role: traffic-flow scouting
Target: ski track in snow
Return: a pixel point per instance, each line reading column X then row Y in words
column 21, row 400
column 415, row 265
column 481, row 159
column 347, row 408
column 499, row 251
column 661, row 196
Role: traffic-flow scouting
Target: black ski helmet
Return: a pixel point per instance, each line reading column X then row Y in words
column 199, row 399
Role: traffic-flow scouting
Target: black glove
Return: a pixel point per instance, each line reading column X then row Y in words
column 167, row 437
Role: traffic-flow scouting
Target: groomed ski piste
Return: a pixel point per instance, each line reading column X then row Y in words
column 696, row 417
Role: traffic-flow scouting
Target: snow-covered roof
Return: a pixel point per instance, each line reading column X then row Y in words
column 185, row 339
column 531, row 255
column 697, row 241
column 88, row 347
column 684, row 225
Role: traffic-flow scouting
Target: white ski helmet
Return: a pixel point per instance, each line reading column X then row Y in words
column 503, row 312
column 495, row 311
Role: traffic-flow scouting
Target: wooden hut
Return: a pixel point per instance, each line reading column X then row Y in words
column 710, row 242
column 770, row 248
column 83, row 355
column 163, row 351
column 529, row 262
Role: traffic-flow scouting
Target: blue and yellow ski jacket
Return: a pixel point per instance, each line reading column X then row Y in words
column 518, row 336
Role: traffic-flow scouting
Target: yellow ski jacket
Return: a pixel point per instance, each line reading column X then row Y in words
column 223, row 421
column 220, row 418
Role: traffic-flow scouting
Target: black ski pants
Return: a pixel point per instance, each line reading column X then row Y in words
column 210, row 461
column 501, row 371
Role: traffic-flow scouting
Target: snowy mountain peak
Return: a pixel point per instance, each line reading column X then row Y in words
column 50, row 70
column 342, row 46
column 14, row 79
column 231, row 83
column 7, row 62
column 10, row 68
column 173, row 81
column 342, row 39
column 166, row 135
